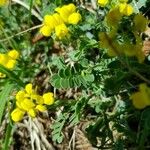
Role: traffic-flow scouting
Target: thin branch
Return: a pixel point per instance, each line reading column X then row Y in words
column 20, row 33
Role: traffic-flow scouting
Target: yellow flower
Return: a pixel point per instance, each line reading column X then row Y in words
column 28, row 101
column 141, row 99
column 17, row 115
column 74, row 18
column 46, row 30
column 3, row 2
column 48, row 98
column 61, row 31
column 3, row 59
column 13, row 54
column 125, row 9
column 10, row 64
column 103, row 3
column 65, row 11
column 8, row 60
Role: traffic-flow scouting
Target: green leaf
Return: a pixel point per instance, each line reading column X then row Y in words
column 4, row 94
column 67, row 72
column 89, row 77
column 7, row 137
column 64, row 83
column 55, row 81
column 61, row 73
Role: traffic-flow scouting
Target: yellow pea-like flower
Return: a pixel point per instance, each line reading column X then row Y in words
column 141, row 99
column 8, row 60
column 65, row 11
column 14, row 54
column 125, row 9
column 74, row 18
column 46, row 30
column 3, row 59
column 17, row 115
column 103, row 3
column 61, row 31
column 10, row 64
column 48, row 98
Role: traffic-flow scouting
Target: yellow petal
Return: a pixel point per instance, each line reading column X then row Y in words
column 74, row 18
column 57, row 19
column 41, row 108
column 10, row 64
column 49, row 21
column 20, row 95
column 17, row 115
column 137, row 100
column 61, row 31
column 141, row 99
column 28, row 88
column 13, row 54
column 3, row 59
column 27, row 104
column 32, row 113
column 48, row 98
column 125, row 9
column 102, row 3
column 39, row 99
column 46, row 30
column 71, row 8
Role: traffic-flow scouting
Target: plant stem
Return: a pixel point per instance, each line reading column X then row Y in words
column 20, row 33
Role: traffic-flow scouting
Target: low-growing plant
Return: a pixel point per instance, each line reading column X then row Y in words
column 68, row 64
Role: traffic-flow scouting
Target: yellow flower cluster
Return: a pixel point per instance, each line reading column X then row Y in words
column 141, row 99
column 28, row 101
column 8, row 60
column 3, row 2
column 57, row 22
